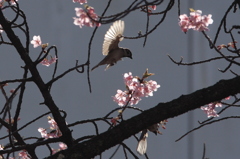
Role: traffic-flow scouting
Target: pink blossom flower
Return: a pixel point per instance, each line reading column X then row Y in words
column 210, row 110
column 83, row 19
column 184, row 22
column 121, row 97
column 12, row 2
column 133, row 84
column 1, row 29
column 36, row 41
column 54, row 151
column 227, row 98
column 135, row 100
column 43, row 133
column 52, row 123
column 137, row 88
column 80, row 1
column 62, row 146
column 127, row 77
column 139, row 91
column 1, row 4
column 150, row 8
column 195, row 21
column 154, row 7
column 114, row 121
column 23, row 154
column 150, row 87
column 54, row 127
column 47, row 62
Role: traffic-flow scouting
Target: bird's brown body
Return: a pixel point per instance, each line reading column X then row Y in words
column 111, row 49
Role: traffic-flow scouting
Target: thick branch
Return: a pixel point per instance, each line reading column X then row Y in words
column 181, row 105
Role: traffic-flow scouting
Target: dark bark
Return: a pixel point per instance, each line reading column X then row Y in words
column 176, row 107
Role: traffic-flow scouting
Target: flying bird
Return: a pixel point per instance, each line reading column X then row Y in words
column 110, row 48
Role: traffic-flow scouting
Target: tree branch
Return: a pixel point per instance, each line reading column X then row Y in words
column 43, row 88
column 176, row 107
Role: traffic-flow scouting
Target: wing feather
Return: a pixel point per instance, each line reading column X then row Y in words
column 113, row 36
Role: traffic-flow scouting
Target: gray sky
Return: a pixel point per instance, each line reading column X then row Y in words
column 53, row 22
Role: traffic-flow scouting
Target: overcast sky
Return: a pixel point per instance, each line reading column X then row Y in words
column 53, row 21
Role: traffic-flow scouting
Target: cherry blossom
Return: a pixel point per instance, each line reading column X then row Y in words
column 210, row 109
column 12, row 2
column 121, row 97
column 150, row 8
column 52, row 123
column 43, row 133
column 115, row 120
column 83, row 18
column 55, row 131
column 23, row 155
column 36, row 41
column 154, row 7
column 80, row 1
column 47, row 62
column 54, row 127
column 195, row 21
column 137, row 88
column 1, row 29
column 62, row 146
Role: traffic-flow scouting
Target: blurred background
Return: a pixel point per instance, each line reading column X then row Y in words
column 53, row 21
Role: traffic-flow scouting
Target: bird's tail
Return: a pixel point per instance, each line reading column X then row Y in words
column 94, row 67
column 142, row 143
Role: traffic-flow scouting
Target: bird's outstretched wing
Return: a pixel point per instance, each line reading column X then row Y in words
column 113, row 36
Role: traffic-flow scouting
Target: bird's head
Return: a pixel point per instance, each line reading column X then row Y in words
column 127, row 53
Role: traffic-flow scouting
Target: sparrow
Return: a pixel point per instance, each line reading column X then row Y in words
column 110, row 48
column 142, row 143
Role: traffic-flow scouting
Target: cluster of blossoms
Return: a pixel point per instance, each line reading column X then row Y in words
column 84, row 19
column 21, row 155
column 12, row 2
column 55, row 131
column 210, row 109
column 37, row 42
column 195, row 21
column 136, row 88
